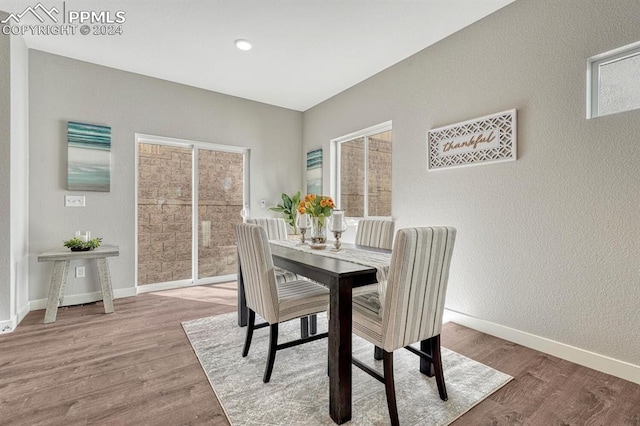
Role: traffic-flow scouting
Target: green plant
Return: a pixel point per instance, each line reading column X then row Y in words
column 288, row 208
column 76, row 244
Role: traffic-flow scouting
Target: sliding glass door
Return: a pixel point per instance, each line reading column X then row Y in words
column 189, row 196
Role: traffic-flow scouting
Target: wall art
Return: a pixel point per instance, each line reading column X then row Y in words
column 314, row 171
column 483, row 140
column 88, row 157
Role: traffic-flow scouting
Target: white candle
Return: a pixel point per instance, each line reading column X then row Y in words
column 336, row 221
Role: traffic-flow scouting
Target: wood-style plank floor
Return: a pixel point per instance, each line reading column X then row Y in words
column 136, row 367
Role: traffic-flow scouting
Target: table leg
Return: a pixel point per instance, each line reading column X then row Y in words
column 58, row 280
column 105, row 284
column 340, row 351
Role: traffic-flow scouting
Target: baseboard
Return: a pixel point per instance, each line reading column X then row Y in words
column 150, row 288
column 22, row 312
column 7, row 326
column 622, row 369
column 10, row 325
column 79, row 299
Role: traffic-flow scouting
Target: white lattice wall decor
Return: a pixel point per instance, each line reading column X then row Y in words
column 482, row 140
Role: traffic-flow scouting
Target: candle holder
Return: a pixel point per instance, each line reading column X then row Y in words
column 338, row 226
column 84, row 236
column 303, row 222
column 337, row 244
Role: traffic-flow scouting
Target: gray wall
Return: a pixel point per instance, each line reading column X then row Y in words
column 5, row 162
column 63, row 89
column 548, row 244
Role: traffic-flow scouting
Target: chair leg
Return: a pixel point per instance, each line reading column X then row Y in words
column 304, row 327
column 389, row 386
column 377, row 353
column 426, row 366
column 271, row 357
column 313, row 324
column 251, row 322
column 437, row 365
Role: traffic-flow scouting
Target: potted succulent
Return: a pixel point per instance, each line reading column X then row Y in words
column 288, row 208
column 77, row 244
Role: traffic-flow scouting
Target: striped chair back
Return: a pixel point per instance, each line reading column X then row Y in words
column 260, row 287
column 416, row 286
column 375, row 233
column 276, row 227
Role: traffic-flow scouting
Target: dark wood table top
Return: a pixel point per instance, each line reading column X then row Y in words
column 320, row 268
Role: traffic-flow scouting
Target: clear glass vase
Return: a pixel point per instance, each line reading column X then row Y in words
column 318, row 232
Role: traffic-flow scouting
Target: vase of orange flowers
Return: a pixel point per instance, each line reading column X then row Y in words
column 319, row 207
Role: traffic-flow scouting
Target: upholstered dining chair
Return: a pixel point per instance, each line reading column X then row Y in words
column 275, row 302
column 375, row 233
column 276, row 229
column 410, row 307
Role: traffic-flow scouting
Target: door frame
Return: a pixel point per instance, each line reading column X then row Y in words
column 194, row 146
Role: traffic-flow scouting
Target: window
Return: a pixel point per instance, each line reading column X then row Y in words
column 614, row 81
column 361, row 172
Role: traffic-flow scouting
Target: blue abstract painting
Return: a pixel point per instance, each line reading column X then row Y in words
column 314, row 172
column 88, row 157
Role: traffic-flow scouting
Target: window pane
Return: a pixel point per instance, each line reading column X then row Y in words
column 619, row 88
column 164, row 213
column 219, row 206
column 379, row 174
column 352, row 177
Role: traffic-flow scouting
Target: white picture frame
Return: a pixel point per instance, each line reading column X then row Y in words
column 484, row 140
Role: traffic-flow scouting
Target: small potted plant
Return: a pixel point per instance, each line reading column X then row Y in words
column 77, row 244
column 288, row 208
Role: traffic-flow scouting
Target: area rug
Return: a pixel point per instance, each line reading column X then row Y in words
column 298, row 393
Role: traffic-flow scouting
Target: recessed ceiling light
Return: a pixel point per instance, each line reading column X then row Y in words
column 243, row 44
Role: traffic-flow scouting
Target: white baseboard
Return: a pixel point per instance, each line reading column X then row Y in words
column 7, row 326
column 22, row 312
column 150, row 288
column 78, row 299
column 598, row 362
column 10, row 325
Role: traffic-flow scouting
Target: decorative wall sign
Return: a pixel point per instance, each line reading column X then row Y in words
column 482, row 140
column 88, row 157
column 314, row 172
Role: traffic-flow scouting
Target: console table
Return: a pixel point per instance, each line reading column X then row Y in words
column 62, row 257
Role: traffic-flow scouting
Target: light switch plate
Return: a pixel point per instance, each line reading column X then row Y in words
column 74, row 200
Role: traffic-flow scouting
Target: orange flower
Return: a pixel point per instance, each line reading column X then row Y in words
column 301, row 209
column 323, row 203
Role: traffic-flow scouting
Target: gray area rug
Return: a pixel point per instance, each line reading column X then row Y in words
column 298, row 393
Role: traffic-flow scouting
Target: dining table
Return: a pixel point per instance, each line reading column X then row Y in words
column 340, row 271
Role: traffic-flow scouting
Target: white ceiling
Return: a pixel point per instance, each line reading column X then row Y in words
column 304, row 51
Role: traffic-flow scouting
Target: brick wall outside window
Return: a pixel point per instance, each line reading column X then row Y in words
column 165, row 213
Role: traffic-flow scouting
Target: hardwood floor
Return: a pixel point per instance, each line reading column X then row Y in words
column 136, row 367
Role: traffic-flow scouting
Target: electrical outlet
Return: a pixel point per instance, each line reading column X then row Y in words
column 263, row 204
column 79, row 271
column 74, row 200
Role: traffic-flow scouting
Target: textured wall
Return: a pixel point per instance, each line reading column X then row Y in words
column 63, row 89
column 548, row 244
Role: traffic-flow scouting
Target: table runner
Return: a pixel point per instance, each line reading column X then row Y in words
column 361, row 256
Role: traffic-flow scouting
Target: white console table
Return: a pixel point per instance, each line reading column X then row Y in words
column 62, row 257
